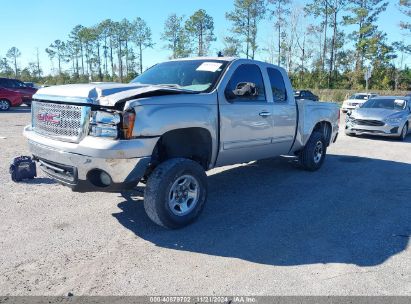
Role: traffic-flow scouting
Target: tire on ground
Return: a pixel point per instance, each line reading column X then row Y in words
column 6, row 104
column 307, row 155
column 404, row 132
column 157, row 192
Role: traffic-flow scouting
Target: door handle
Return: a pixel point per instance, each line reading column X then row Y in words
column 265, row 114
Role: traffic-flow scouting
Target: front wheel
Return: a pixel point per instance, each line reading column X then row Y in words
column 4, row 105
column 404, row 132
column 175, row 193
column 312, row 156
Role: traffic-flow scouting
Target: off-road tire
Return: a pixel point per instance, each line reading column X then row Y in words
column 307, row 155
column 159, row 183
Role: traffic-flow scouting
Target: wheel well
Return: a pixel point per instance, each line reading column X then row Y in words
column 191, row 143
column 325, row 128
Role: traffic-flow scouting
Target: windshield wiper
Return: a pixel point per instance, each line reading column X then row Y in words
column 171, row 85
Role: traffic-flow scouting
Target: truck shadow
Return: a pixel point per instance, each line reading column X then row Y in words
column 354, row 210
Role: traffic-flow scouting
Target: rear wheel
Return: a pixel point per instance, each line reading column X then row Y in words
column 312, row 156
column 4, row 105
column 175, row 193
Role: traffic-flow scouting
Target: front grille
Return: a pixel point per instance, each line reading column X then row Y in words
column 367, row 122
column 60, row 121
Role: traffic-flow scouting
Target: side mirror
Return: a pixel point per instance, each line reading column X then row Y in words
column 245, row 89
column 400, row 103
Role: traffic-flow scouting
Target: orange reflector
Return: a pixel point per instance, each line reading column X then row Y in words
column 128, row 124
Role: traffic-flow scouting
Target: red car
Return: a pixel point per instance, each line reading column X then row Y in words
column 14, row 92
column 9, row 99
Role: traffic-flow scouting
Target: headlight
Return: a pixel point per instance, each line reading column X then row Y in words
column 393, row 120
column 104, row 124
column 100, row 117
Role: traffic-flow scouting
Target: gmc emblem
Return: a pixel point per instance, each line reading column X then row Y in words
column 53, row 118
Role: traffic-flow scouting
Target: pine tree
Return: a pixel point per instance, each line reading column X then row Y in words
column 245, row 18
column 200, row 28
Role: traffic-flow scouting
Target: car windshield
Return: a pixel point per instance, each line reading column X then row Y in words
column 390, row 104
column 193, row 75
column 359, row 96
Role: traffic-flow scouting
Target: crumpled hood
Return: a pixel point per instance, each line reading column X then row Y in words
column 374, row 114
column 104, row 94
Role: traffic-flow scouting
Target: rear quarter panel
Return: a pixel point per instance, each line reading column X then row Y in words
column 311, row 113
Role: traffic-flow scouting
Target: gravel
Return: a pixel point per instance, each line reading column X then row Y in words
column 268, row 229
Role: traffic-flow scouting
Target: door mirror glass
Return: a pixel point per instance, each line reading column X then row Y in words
column 245, row 89
column 399, row 103
column 246, row 84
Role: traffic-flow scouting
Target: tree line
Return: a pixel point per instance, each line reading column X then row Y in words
column 325, row 44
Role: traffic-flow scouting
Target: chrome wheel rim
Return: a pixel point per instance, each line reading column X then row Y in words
column 318, row 151
column 183, row 195
column 4, row 105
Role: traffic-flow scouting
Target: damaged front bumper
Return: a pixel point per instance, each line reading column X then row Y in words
column 99, row 165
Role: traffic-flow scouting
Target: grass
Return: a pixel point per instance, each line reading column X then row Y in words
column 339, row 95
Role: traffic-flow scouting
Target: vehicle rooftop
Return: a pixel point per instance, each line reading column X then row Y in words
column 206, row 58
column 391, row 97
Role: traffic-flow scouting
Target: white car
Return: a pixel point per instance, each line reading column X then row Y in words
column 356, row 100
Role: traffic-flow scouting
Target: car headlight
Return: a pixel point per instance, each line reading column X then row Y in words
column 395, row 120
column 104, row 124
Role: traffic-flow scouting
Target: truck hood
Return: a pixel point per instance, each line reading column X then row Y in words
column 104, row 94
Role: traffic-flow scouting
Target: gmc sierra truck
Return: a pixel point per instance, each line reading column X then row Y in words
column 170, row 125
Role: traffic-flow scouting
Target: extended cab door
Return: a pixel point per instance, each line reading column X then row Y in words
column 246, row 122
column 284, row 110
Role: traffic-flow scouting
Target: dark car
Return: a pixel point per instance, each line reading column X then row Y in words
column 26, row 93
column 305, row 94
column 9, row 99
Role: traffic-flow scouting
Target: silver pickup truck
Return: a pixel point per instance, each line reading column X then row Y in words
column 170, row 125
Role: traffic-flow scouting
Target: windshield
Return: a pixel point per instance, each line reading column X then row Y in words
column 389, row 104
column 359, row 96
column 193, row 75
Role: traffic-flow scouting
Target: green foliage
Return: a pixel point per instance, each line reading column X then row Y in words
column 245, row 18
column 142, row 37
column 200, row 29
column 176, row 37
column 13, row 54
column 405, row 7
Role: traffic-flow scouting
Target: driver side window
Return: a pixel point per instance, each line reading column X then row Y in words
column 246, row 75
